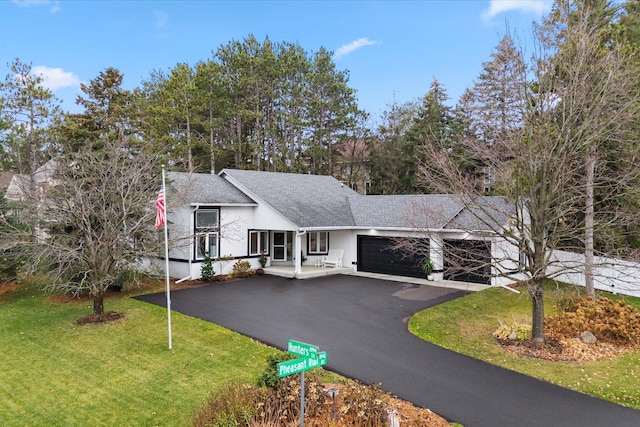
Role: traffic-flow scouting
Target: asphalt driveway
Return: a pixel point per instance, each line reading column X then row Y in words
column 361, row 324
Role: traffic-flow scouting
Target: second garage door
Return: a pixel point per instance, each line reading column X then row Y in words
column 375, row 255
column 467, row 260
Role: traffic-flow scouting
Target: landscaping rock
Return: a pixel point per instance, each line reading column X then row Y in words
column 513, row 336
column 588, row 338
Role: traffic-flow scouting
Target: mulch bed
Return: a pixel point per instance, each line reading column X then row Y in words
column 564, row 349
column 405, row 412
column 5, row 288
column 107, row 316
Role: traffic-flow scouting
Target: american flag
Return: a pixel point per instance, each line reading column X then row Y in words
column 160, row 214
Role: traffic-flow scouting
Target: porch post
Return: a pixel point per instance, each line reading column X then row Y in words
column 436, row 254
column 297, row 252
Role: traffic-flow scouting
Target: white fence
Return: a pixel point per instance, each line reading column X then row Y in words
column 613, row 275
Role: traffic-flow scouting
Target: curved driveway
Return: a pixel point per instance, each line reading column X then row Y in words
column 361, row 324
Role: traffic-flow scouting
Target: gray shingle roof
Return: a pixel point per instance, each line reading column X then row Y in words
column 316, row 201
column 489, row 213
column 306, row 200
column 198, row 188
column 431, row 211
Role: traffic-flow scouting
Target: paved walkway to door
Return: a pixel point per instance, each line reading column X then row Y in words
column 361, row 323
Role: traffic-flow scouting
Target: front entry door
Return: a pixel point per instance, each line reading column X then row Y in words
column 282, row 241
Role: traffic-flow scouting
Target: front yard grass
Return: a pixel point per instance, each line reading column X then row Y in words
column 56, row 373
column 465, row 325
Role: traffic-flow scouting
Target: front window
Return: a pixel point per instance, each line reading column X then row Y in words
column 206, row 219
column 206, row 234
column 258, row 242
column 318, row 242
column 206, row 244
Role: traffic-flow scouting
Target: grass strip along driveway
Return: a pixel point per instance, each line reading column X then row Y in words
column 466, row 324
column 361, row 324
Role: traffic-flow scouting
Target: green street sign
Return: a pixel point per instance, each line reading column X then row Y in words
column 311, row 358
column 302, row 364
column 302, row 349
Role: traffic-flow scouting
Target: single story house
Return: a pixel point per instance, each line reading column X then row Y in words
column 296, row 219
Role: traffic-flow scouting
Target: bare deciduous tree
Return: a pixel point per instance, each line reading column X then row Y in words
column 573, row 100
column 99, row 220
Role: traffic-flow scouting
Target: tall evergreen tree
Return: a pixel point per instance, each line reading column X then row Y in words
column 110, row 114
column 431, row 126
column 261, row 105
column 182, row 102
column 331, row 109
column 291, row 115
column 28, row 111
column 493, row 108
column 388, row 157
column 208, row 80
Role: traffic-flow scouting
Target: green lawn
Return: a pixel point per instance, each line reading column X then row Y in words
column 465, row 325
column 56, row 373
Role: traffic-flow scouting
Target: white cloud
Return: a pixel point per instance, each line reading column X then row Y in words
column 55, row 5
column 55, row 78
column 525, row 6
column 161, row 18
column 354, row 45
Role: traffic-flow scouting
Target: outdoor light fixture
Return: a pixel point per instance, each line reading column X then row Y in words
column 333, row 391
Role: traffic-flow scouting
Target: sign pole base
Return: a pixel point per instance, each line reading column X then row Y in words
column 302, row 399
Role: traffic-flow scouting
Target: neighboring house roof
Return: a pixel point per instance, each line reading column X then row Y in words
column 203, row 189
column 20, row 183
column 307, row 201
column 15, row 191
column 5, row 179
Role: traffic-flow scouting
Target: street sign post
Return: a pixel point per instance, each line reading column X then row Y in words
column 311, row 358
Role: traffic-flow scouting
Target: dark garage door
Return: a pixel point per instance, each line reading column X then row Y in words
column 467, row 260
column 376, row 256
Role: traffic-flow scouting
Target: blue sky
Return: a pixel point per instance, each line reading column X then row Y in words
column 392, row 49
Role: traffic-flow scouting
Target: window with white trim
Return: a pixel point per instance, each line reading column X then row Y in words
column 206, row 235
column 206, row 244
column 258, row 242
column 318, row 242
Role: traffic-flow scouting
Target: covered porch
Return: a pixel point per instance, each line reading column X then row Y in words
column 308, row 271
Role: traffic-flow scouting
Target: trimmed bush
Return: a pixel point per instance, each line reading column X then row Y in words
column 232, row 405
column 611, row 322
column 523, row 332
column 241, row 268
column 269, row 378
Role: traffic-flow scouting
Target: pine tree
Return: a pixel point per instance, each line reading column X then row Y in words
column 206, row 268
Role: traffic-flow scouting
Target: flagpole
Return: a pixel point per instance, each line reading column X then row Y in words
column 166, row 259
